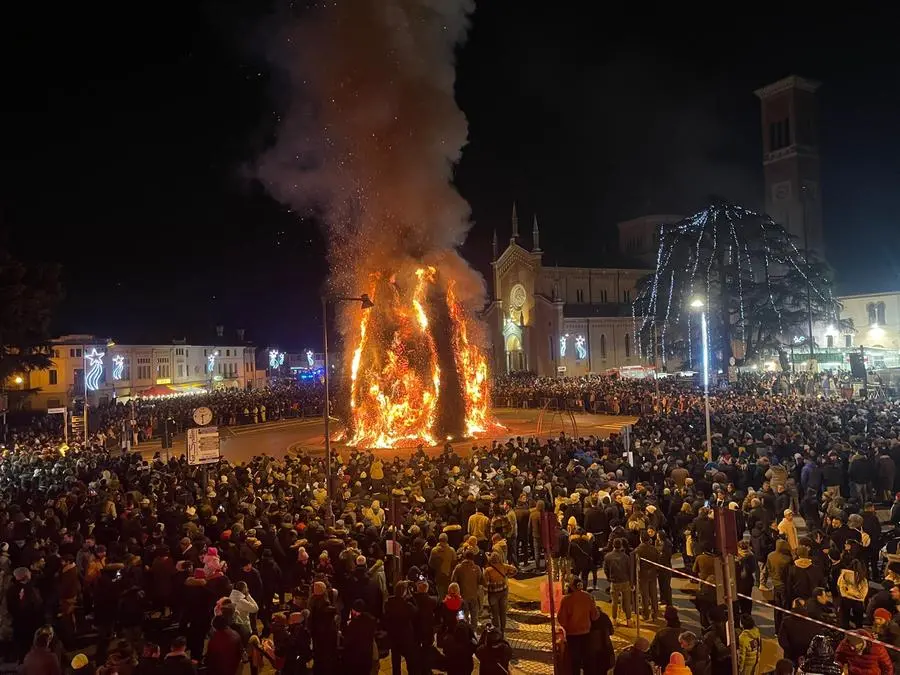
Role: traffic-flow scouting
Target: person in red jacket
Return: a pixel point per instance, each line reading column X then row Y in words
column 224, row 651
column 863, row 657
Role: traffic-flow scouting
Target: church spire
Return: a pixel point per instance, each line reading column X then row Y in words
column 535, row 235
column 515, row 226
column 496, row 248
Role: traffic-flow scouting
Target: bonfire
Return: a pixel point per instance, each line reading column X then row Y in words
column 417, row 375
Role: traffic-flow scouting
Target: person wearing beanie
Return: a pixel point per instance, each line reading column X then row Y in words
column 788, row 529
column 676, row 666
column 888, row 631
column 749, row 646
column 860, row 655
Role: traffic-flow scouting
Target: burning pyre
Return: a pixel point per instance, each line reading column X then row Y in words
column 416, row 374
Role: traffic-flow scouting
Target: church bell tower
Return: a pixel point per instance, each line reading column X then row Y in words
column 791, row 160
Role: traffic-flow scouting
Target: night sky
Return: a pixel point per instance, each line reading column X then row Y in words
column 131, row 133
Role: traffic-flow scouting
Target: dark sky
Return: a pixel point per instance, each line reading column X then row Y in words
column 129, row 130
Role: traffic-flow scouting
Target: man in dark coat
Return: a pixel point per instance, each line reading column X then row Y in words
column 802, row 577
column 796, row 633
column 359, row 636
column 399, row 621
column 633, row 660
column 224, row 652
column 26, row 610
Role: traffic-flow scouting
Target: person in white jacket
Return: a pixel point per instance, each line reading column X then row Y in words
column 244, row 606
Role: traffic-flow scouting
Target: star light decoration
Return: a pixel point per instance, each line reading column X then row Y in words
column 691, row 255
column 580, row 347
column 95, row 369
column 211, row 362
column 562, row 345
column 310, row 359
column 118, row 366
column 276, row 359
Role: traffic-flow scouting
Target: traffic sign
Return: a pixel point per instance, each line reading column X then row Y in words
column 203, row 445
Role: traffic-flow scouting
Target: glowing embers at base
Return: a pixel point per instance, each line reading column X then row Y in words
column 396, row 396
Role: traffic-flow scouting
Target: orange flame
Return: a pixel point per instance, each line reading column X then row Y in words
column 395, row 373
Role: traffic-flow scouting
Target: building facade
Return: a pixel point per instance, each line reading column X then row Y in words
column 107, row 371
column 791, row 159
column 564, row 321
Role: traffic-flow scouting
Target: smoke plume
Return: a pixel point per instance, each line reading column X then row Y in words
column 372, row 132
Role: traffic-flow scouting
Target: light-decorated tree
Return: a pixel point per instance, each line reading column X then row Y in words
column 757, row 287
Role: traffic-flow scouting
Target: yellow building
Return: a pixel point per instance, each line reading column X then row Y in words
column 105, row 370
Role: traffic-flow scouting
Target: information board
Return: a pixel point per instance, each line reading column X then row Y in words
column 203, row 445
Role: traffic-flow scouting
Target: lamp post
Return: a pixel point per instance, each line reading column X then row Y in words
column 366, row 304
column 698, row 305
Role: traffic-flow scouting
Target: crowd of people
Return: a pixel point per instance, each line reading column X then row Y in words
column 143, row 417
column 165, row 567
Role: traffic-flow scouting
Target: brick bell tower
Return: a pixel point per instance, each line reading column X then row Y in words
column 791, row 160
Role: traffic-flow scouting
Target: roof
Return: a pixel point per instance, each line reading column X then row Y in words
column 784, row 84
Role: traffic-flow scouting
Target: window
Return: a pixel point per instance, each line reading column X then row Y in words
column 579, row 295
column 872, row 313
column 187, row 353
column 204, row 352
column 54, row 377
column 627, row 346
column 552, row 354
column 829, row 341
column 55, row 353
column 773, row 137
column 787, row 132
column 603, row 296
column 71, row 353
column 626, row 296
column 227, row 352
column 602, row 345
column 879, row 313
column 180, row 370
column 179, row 351
column 78, row 353
column 848, row 341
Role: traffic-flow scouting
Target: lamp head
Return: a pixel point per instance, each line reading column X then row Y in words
column 697, row 303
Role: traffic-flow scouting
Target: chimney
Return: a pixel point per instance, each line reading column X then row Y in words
column 220, row 331
column 240, row 334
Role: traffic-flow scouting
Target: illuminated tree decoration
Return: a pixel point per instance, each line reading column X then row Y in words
column 95, row 371
column 310, row 359
column 562, row 345
column 118, row 366
column 580, row 347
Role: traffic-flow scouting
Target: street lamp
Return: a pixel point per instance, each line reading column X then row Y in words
column 698, row 305
column 366, row 303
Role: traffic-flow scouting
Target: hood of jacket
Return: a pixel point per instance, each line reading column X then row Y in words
column 783, row 547
column 803, row 563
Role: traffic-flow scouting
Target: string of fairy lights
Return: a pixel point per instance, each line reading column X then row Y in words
column 698, row 252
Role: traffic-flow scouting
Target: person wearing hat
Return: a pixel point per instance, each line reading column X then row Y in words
column 888, row 631
column 787, row 528
column 860, row 655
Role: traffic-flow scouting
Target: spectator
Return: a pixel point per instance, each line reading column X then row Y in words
column 576, row 612
column 863, row 657
column 224, row 652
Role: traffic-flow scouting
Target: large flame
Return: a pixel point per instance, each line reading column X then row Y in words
column 396, row 395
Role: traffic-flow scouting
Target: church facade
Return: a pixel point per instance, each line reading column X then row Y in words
column 566, row 321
